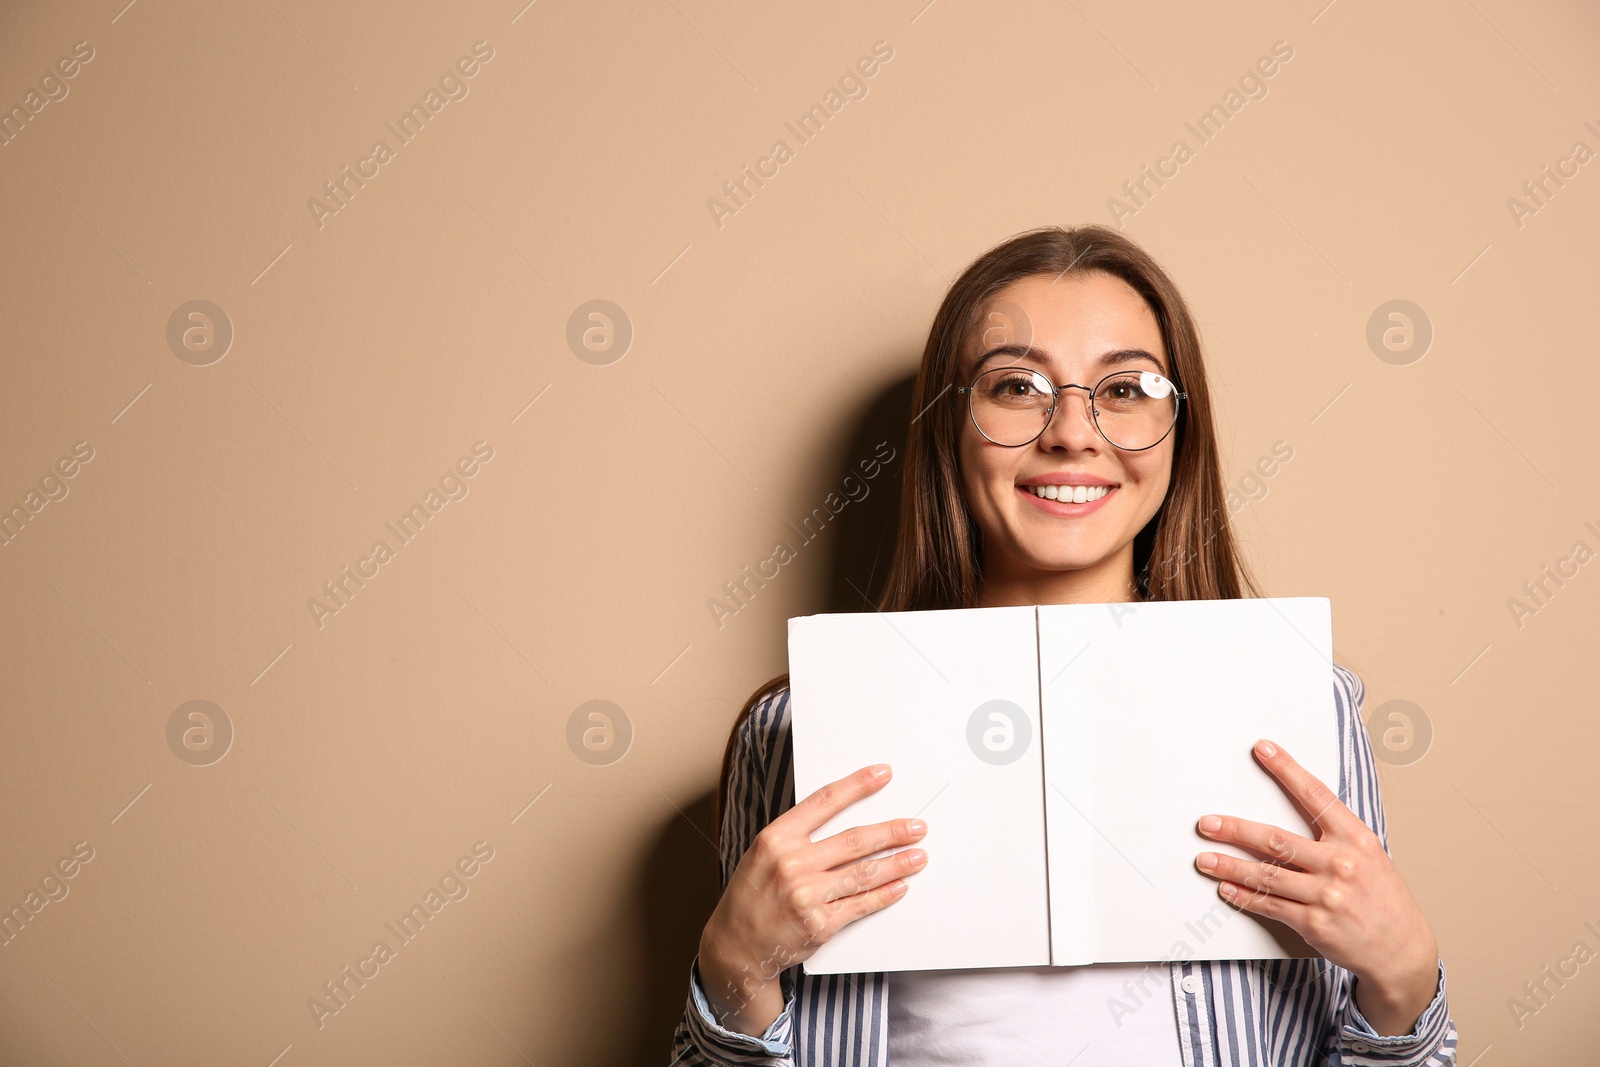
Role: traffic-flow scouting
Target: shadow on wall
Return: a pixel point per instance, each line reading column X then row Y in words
column 857, row 545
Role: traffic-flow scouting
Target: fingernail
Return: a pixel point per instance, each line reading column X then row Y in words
column 1227, row 889
column 916, row 855
column 880, row 770
column 1266, row 748
column 918, row 826
column 1206, row 860
column 1210, row 824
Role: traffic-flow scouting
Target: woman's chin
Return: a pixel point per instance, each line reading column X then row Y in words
column 1056, row 558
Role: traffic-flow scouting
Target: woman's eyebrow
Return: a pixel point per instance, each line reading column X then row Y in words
column 1028, row 352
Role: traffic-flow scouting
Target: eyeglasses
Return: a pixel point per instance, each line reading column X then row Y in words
column 1133, row 410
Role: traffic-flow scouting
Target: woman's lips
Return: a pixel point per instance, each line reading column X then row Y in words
column 1064, row 510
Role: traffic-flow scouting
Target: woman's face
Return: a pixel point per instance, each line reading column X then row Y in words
column 1076, row 329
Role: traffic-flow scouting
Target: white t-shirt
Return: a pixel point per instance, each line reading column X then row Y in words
column 1093, row 1016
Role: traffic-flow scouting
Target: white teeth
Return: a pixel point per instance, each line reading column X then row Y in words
column 1071, row 494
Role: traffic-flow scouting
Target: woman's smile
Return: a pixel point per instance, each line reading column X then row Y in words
column 1068, row 501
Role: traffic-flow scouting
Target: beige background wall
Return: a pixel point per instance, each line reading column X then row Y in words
column 373, row 749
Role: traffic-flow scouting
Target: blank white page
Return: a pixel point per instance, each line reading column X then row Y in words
column 902, row 688
column 1150, row 712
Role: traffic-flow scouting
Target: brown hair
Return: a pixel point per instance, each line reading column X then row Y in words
column 1186, row 552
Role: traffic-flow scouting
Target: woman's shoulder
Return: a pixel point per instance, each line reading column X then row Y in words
column 768, row 721
column 1358, row 786
column 757, row 783
column 762, row 733
column 773, row 698
column 1348, row 684
column 1348, row 695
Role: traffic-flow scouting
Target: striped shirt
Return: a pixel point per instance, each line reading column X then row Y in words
column 1229, row 1013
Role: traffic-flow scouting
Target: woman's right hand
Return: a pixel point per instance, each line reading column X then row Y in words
column 789, row 895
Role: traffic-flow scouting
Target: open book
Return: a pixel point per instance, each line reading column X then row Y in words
column 1062, row 756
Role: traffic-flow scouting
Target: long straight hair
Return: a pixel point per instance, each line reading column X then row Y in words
column 1185, row 552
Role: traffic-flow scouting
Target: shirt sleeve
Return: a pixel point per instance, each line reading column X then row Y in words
column 755, row 797
column 702, row 1040
column 1432, row 1041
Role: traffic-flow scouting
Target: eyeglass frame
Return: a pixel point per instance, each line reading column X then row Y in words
column 1055, row 401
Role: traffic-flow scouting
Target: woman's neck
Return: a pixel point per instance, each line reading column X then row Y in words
column 1108, row 582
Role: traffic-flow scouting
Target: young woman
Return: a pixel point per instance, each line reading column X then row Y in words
column 1062, row 451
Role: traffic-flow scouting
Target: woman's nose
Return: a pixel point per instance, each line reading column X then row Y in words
column 1072, row 421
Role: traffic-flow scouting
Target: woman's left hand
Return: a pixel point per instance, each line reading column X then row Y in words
column 1341, row 893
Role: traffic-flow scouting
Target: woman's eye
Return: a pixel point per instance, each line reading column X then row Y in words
column 1015, row 387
